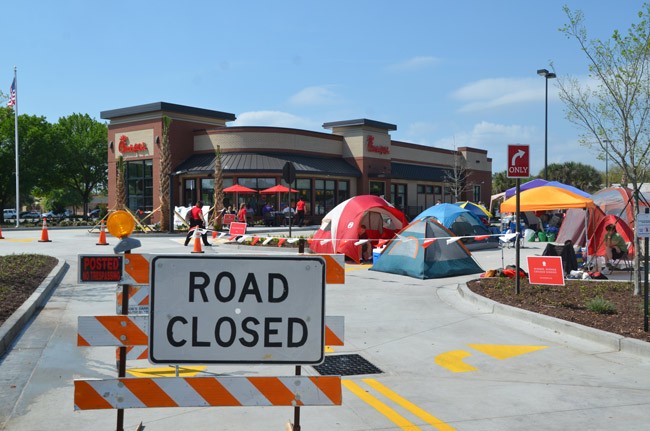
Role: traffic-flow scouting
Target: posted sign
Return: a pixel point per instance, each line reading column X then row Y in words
column 237, row 309
column 101, row 268
column 545, row 270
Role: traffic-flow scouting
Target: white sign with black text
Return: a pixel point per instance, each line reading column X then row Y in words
column 237, row 309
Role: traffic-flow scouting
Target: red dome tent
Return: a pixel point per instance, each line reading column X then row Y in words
column 338, row 232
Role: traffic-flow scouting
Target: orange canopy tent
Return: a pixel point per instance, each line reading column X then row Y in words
column 546, row 198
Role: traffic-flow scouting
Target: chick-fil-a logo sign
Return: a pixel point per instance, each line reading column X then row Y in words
column 375, row 148
column 125, row 147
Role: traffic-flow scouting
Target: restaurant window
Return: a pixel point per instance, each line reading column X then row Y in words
column 437, row 192
column 139, row 185
column 425, row 197
column 207, row 191
column 377, row 188
column 303, row 185
column 343, row 192
column 189, row 192
column 477, row 193
column 324, row 190
column 398, row 196
column 448, row 196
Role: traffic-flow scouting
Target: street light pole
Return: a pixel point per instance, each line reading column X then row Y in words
column 607, row 142
column 548, row 75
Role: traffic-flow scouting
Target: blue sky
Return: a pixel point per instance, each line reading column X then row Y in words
column 447, row 74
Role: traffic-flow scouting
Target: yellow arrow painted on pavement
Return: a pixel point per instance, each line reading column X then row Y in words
column 166, row 371
column 453, row 361
column 504, row 351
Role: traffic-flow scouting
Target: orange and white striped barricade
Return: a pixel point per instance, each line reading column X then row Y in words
column 334, row 267
column 128, row 393
column 138, row 299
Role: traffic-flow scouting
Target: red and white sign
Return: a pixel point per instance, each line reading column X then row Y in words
column 518, row 161
column 237, row 228
column 545, row 270
column 228, row 218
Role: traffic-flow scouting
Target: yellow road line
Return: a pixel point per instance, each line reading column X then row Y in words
column 382, row 408
column 417, row 411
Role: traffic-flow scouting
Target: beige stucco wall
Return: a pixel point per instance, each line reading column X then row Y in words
column 268, row 141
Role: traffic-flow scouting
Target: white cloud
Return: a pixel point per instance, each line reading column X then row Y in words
column 315, row 96
column 498, row 92
column 275, row 119
column 413, row 64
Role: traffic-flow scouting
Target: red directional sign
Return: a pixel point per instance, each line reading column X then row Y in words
column 518, row 161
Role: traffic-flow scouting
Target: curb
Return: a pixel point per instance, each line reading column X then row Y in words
column 15, row 323
column 612, row 341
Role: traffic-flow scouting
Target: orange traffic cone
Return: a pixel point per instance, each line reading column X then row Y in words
column 1, row 237
column 102, row 235
column 44, row 236
column 214, row 234
column 197, row 241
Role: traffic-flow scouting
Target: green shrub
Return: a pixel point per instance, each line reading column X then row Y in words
column 601, row 306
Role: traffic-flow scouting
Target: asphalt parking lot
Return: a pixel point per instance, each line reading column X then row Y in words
column 441, row 361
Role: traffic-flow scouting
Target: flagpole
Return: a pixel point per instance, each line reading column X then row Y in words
column 16, row 146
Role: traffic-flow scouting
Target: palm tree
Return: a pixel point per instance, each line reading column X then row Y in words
column 218, row 188
column 165, row 171
column 120, row 189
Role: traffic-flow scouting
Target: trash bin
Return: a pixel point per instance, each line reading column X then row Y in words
column 551, row 237
column 541, row 236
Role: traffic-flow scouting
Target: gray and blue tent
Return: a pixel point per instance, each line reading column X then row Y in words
column 421, row 250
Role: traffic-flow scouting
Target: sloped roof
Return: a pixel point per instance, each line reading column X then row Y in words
column 267, row 162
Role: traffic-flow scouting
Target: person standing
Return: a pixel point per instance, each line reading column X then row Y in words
column 300, row 210
column 241, row 214
column 268, row 214
column 197, row 221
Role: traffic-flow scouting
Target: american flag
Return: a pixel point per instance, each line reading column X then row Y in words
column 12, row 94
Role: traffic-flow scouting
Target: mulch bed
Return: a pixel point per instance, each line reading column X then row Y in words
column 571, row 302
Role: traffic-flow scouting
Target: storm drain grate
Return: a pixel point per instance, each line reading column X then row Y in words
column 346, row 365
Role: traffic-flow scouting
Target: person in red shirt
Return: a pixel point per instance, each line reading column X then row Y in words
column 196, row 220
column 300, row 210
column 241, row 214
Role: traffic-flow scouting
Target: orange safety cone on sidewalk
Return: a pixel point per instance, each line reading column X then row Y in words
column 197, row 241
column 44, row 235
column 102, row 235
column 1, row 237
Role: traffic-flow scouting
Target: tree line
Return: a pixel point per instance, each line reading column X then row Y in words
column 61, row 164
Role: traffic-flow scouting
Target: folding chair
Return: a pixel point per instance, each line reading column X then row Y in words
column 624, row 259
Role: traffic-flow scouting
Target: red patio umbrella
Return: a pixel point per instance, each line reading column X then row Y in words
column 237, row 189
column 277, row 189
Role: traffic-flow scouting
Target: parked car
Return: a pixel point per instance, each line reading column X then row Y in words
column 94, row 213
column 30, row 216
column 51, row 215
column 9, row 213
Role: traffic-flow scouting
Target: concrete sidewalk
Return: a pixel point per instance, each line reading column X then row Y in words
column 404, row 326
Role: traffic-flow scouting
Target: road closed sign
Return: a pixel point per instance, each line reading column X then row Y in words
column 237, row 309
column 518, row 161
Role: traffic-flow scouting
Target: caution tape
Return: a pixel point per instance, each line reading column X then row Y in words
column 128, row 393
